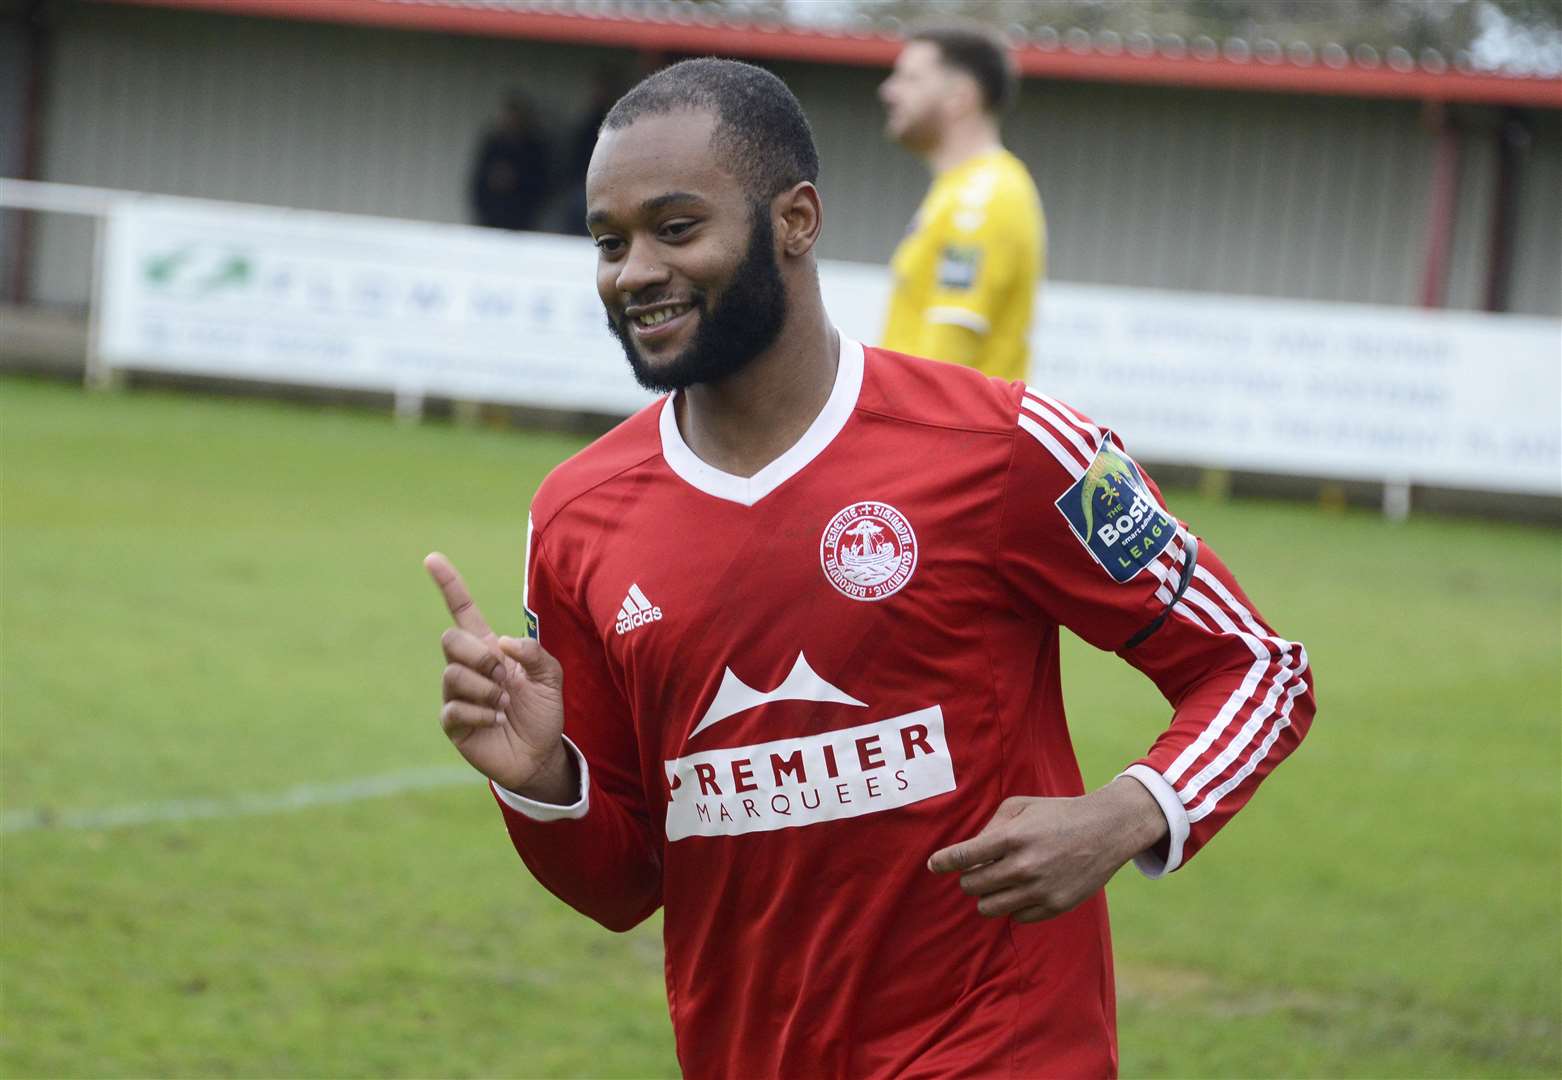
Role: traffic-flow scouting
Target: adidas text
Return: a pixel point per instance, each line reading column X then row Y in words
column 639, row 618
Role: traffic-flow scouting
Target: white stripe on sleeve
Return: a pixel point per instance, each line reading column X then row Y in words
column 1282, row 721
column 954, row 316
column 1095, row 433
column 1239, row 697
column 1266, row 708
column 1055, row 448
column 1283, row 667
column 1046, row 416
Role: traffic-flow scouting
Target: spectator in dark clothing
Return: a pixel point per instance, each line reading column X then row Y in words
column 510, row 179
column 606, row 87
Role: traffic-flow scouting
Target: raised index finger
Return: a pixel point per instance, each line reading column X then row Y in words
column 462, row 608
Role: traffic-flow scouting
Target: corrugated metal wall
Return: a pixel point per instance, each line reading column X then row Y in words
column 13, row 97
column 1304, row 197
column 1537, row 262
column 1314, row 198
column 13, row 124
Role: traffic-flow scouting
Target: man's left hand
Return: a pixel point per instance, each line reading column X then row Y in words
column 1040, row 857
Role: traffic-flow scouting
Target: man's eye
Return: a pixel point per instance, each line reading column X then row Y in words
column 608, row 245
column 677, row 228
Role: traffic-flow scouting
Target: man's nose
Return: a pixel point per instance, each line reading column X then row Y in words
column 640, row 270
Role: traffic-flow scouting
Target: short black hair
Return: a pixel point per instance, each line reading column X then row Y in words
column 979, row 52
column 761, row 132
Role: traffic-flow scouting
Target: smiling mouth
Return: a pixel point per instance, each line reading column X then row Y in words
column 652, row 319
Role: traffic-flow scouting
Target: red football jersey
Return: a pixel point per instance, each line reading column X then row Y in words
column 790, row 689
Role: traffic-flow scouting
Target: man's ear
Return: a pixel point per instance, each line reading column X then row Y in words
column 802, row 214
column 963, row 94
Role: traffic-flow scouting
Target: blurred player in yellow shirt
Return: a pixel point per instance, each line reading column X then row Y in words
column 966, row 273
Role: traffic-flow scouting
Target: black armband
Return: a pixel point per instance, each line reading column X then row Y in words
column 1191, row 552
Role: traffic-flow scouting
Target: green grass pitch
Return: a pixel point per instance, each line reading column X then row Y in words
column 211, row 599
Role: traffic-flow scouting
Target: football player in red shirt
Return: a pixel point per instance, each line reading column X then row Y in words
column 791, row 662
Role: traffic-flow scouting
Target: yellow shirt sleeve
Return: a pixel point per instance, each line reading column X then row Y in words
column 965, row 278
column 976, row 266
column 955, row 343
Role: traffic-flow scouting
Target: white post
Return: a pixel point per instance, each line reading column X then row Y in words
column 1396, row 499
column 409, row 404
column 97, row 376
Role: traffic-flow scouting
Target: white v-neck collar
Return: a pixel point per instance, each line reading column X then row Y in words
column 748, row 490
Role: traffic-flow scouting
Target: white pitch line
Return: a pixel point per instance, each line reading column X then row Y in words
column 304, row 797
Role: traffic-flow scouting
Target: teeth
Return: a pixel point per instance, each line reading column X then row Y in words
column 657, row 318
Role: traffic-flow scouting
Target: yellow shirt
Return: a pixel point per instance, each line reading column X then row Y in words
column 966, row 273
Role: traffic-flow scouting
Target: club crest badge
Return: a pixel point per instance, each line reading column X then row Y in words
column 868, row 551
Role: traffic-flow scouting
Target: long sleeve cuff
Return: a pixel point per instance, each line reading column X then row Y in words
column 1150, row 863
column 541, row 811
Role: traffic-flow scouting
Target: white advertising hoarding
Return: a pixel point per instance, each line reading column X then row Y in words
column 334, row 300
column 365, row 303
column 1405, row 396
column 1457, row 399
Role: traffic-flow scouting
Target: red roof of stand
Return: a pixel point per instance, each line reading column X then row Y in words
column 679, row 26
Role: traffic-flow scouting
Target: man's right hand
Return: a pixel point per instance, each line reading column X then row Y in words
column 504, row 700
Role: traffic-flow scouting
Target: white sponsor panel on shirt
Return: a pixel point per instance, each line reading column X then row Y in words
column 791, row 783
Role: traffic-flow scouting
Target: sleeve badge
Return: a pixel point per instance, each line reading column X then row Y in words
column 1111, row 511
column 958, row 267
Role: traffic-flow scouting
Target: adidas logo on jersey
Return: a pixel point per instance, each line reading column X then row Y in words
column 636, row 612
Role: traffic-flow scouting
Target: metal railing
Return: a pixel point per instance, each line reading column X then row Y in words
column 74, row 199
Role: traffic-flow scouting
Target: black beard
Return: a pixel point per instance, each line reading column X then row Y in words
column 745, row 320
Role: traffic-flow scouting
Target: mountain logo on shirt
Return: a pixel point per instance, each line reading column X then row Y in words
column 868, row 551
column 1112, row 512
column 802, row 683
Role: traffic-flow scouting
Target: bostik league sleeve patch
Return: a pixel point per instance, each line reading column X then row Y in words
column 958, row 267
column 532, row 629
column 1111, row 511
